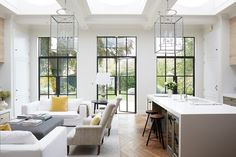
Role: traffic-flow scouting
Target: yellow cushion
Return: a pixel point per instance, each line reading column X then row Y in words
column 5, row 127
column 95, row 120
column 59, row 104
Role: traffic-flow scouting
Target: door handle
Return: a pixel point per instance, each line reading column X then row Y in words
column 216, row 87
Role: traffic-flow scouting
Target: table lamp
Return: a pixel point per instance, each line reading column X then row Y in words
column 103, row 79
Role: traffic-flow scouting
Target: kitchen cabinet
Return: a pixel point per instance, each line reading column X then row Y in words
column 232, row 41
column 1, row 40
column 173, row 135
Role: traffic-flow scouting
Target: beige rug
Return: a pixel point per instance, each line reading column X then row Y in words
column 110, row 147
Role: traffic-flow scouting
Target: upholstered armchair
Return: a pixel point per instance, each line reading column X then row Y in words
column 90, row 134
column 118, row 100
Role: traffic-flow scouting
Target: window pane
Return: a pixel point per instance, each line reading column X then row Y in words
column 101, row 42
column 63, row 85
column 180, row 67
column 160, row 67
column 180, row 53
column 131, row 67
column 111, row 86
column 122, row 67
column 189, row 85
column 43, row 67
column 180, row 85
column 131, row 84
column 52, row 67
column 101, row 65
column 122, row 85
column 169, row 67
column 52, row 85
column 62, row 67
column 43, row 85
column 111, row 66
column 121, row 46
column 111, row 46
column 189, row 46
column 160, row 84
column 188, row 66
column 131, row 46
column 43, row 46
column 72, row 85
column 72, row 67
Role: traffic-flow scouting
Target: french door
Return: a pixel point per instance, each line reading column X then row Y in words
column 117, row 56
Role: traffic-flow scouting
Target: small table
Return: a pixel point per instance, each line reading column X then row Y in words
column 42, row 129
column 97, row 102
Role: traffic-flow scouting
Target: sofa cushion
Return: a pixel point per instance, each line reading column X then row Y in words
column 67, row 115
column 59, row 104
column 17, row 137
column 5, row 127
column 95, row 120
column 73, row 104
column 44, row 105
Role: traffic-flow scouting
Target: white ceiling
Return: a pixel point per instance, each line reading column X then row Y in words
column 194, row 12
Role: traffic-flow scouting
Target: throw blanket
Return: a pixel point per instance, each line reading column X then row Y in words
column 87, row 108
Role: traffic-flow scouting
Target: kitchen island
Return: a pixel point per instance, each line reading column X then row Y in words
column 197, row 127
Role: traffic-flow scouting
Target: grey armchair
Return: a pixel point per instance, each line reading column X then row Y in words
column 118, row 100
column 90, row 134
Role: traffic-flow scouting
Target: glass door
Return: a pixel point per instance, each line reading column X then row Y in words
column 117, row 56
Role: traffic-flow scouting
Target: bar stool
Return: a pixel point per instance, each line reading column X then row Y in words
column 157, row 123
column 149, row 112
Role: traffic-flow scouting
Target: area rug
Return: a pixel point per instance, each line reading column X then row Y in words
column 110, row 147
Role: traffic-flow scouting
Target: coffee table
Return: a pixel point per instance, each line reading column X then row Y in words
column 42, row 129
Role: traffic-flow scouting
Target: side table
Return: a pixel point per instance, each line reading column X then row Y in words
column 99, row 102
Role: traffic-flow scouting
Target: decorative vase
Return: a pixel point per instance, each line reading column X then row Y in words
column 3, row 105
column 170, row 92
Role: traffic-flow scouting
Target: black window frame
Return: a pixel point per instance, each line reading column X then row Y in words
column 57, row 76
column 175, row 77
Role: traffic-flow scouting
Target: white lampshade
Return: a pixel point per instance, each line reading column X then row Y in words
column 103, row 78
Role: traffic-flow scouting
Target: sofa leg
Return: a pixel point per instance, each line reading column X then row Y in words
column 98, row 149
column 68, row 149
column 109, row 131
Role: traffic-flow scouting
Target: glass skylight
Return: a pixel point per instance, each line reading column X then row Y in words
column 116, row 6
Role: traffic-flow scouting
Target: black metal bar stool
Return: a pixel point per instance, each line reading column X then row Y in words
column 156, row 123
column 149, row 112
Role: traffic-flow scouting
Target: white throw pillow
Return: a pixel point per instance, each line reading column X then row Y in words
column 73, row 104
column 44, row 105
column 17, row 137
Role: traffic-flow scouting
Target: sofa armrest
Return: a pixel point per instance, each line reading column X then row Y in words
column 54, row 143
column 30, row 107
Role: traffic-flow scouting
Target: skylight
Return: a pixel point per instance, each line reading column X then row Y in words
column 33, row 7
column 116, row 6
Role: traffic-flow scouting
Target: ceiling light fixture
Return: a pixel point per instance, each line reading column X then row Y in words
column 64, row 33
column 168, row 32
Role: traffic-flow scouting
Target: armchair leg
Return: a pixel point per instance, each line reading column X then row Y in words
column 109, row 131
column 102, row 140
column 68, row 149
column 98, row 149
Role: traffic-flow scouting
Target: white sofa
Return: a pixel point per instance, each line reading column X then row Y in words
column 71, row 117
column 53, row 144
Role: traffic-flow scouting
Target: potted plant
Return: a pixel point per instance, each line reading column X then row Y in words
column 3, row 96
column 170, row 87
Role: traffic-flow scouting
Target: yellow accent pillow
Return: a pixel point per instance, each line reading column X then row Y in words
column 5, row 127
column 95, row 120
column 59, row 104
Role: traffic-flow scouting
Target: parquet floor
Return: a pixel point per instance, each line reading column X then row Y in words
column 132, row 143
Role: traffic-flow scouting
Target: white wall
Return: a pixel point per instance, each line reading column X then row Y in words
column 219, row 71
column 146, row 60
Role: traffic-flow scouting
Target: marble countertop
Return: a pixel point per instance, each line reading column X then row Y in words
column 193, row 105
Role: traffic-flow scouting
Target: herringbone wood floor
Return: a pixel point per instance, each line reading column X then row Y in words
column 132, row 143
